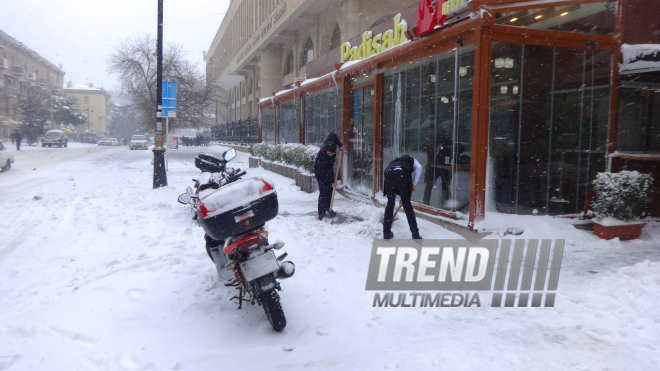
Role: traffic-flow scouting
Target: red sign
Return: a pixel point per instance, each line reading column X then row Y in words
column 427, row 18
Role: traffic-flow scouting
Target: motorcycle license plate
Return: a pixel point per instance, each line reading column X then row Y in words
column 259, row 265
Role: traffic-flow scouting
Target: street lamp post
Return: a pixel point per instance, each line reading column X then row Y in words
column 160, row 176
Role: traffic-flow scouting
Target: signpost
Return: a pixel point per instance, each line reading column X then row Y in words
column 169, row 110
column 160, row 175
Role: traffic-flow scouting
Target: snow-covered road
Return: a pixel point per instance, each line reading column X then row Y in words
column 98, row 271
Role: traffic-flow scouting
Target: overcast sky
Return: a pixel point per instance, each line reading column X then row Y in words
column 81, row 34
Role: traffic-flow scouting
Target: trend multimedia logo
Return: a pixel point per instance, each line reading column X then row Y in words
column 462, row 265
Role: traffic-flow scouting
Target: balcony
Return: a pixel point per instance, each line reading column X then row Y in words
column 10, row 92
column 17, row 70
column 42, row 82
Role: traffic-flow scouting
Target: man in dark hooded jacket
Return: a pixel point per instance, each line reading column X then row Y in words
column 325, row 175
column 401, row 177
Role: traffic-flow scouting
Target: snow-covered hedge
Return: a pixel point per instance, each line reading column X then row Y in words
column 622, row 195
column 294, row 154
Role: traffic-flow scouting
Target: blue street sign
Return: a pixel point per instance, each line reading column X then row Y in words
column 169, row 99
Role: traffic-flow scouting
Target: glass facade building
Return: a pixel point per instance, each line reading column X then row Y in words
column 514, row 110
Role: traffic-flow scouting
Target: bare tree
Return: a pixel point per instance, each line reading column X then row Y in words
column 134, row 60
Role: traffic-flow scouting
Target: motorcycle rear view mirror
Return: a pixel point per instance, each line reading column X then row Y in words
column 189, row 191
column 229, row 155
column 184, row 198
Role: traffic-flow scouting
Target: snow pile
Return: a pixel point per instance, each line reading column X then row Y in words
column 640, row 58
column 233, row 195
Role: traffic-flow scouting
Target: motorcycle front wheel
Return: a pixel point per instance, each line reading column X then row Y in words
column 271, row 302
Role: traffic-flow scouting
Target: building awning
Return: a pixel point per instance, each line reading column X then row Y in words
column 640, row 58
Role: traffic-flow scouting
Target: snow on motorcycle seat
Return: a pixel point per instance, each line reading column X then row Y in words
column 237, row 207
column 209, row 163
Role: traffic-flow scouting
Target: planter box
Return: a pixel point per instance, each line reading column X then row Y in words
column 307, row 183
column 254, row 162
column 624, row 232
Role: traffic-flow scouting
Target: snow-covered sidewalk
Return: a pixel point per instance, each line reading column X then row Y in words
column 98, row 271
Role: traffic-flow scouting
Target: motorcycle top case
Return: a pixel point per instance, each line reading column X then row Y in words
column 236, row 208
column 209, row 163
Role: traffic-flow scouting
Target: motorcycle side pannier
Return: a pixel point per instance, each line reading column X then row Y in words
column 209, row 163
column 236, row 208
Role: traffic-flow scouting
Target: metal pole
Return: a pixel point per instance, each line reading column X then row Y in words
column 167, row 147
column 520, row 117
column 579, row 146
column 552, row 115
column 160, row 174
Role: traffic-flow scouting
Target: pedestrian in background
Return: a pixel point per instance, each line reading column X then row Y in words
column 401, row 177
column 19, row 137
column 325, row 174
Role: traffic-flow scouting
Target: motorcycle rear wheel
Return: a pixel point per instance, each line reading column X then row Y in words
column 271, row 302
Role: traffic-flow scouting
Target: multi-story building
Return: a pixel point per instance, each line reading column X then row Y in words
column 511, row 106
column 264, row 46
column 23, row 72
column 94, row 103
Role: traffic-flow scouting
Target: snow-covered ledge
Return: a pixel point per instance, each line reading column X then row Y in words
column 640, row 58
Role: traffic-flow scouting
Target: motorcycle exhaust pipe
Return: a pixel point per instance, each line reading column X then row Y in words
column 287, row 269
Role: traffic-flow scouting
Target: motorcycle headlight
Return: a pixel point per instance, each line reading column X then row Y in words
column 230, row 171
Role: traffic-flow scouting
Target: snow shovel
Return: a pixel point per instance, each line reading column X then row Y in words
column 332, row 199
column 396, row 212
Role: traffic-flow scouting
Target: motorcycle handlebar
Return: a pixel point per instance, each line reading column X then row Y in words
column 235, row 177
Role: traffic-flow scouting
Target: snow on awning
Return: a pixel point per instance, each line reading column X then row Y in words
column 640, row 58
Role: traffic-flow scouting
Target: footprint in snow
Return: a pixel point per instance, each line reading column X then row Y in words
column 134, row 294
column 81, row 339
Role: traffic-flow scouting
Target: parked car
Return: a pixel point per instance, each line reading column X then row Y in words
column 138, row 142
column 6, row 158
column 54, row 137
column 108, row 142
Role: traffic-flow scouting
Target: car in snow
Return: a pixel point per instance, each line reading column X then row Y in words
column 108, row 142
column 138, row 142
column 54, row 137
column 6, row 158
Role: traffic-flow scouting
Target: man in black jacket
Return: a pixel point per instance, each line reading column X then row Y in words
column 325, row 175
column 401, row 177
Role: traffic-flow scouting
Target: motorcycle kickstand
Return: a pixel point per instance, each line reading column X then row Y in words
column 231, row 283
column 239, row 297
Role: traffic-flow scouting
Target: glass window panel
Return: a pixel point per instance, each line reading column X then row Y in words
column 590, row 18
column 639, row 114
column 288, row 122
column 536, row 82
column 323, row 115
column 548, row 127
column 361, row 124
column 268, row 125
column 418, row 120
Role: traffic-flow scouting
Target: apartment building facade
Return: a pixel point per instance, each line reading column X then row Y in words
column 94, row 104
column 23, row 72
column 264, row 46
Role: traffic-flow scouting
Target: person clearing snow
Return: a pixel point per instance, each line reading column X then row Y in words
column 325, row 175
column 400, row 185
